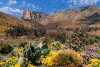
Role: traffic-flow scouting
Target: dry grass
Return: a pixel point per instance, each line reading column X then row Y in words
column 97, row 33
column 7, row 20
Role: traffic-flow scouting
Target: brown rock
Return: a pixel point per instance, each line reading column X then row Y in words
column 33, row 16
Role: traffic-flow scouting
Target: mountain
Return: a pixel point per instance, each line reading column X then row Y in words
column 6, row 21
column 33, row 16
column 72, row 18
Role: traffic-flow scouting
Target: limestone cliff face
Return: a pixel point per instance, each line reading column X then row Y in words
column 33, row 16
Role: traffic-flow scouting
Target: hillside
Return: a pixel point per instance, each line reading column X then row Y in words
column 7, row 20
column 74, row 18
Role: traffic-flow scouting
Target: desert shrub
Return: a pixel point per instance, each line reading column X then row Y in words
column 79, row 39
column 40, row 31
column 56, row 45
column 46, row 39
column 67, row 57
column 61, row 37
column 20, row 30
column 22, row 44
column 57, row 34
column 16, row 31
column 5, row 49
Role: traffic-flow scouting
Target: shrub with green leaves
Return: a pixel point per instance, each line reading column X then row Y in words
column 5, row 49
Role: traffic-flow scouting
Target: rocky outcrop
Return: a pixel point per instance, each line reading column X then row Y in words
column 33, row 16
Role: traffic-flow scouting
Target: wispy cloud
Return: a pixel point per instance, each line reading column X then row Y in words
column 10, row 10
column 29, row 6
column 12, row 2
column 82, row 2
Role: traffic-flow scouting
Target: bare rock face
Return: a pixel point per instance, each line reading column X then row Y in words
column 33, row 16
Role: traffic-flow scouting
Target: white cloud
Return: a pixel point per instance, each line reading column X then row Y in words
column 82, row 2
column 10, row 10
column 88, row 2
column 28, row 5
column 31, row 5
column 12, row 2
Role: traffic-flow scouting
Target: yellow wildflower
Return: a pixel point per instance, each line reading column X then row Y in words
column 1, row 63
column 19, row 49
column 30, row 65
column 94, row 63
column 17, row 65
column 52, row 53
column 11, row 66
column 94, row 60
column 61, row 45
column 49, row 59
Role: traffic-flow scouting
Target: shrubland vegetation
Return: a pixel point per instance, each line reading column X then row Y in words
column 78, row 49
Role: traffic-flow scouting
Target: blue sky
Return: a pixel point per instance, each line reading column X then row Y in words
column 15, row 7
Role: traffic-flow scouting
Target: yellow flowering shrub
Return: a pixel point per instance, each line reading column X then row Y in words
column 1, row 63
column 61, row 45
column 30, row 65
column 11, row 60
column 49, row 59
column 16, row 65
column 94, row 63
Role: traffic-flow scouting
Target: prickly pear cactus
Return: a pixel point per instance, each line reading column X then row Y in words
column 45, row 51
column 32, row 43
column 45, row 46
column 33, row 53
column 21, row 60
column 37, row 55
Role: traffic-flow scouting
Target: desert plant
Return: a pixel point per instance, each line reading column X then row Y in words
column 48, row 60
column 61, row 37
column 46, row 40
column 16, row 31
column 22, row 62
column 58, row 34
column 56, row 45
column 67, row 57
column 79, row 39
column 33, row 53
column 5, row 49
column 94, row 63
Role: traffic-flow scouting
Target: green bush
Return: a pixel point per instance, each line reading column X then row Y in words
column 5, row 49
column 61, row 37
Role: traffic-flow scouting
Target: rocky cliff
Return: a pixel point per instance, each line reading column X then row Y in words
column 33, row 16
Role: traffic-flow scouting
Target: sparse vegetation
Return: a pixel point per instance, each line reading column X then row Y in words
column 79, row 39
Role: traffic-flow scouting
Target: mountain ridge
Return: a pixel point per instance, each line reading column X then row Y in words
column 72, row 16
